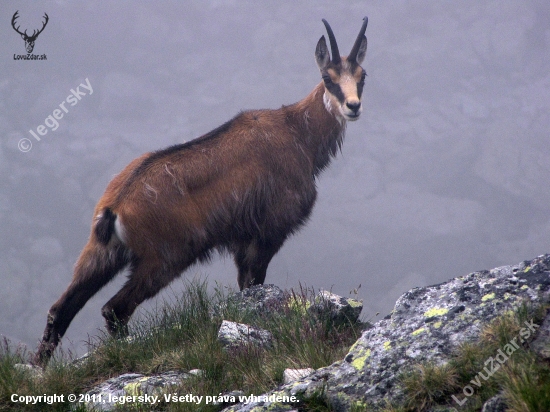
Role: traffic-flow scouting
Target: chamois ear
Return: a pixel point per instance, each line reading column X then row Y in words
column 362, row 51
column 321, row 53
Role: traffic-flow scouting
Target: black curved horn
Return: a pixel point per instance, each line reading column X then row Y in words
column 333, row 45
column 353, row 54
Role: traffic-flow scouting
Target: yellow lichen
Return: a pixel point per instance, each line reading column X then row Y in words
column 354, row 303
column 437, row 325
column 488, row 296
column 435, row 312
column 418, row 331
column 359, row 362
column 387, row 345
column 133, row 389
column 353, row 347
column 359, row 406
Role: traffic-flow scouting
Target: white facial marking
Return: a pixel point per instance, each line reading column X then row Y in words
column 348, row 85
column 327, row 100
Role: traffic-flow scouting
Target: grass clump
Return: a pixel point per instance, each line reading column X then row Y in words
column 181, row 336
column 429, row 384
column 526, row 384
column 59, row 378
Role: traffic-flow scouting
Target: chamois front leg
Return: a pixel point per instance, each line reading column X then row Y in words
column 252, row 260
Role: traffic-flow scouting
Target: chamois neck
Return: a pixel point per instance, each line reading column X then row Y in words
column 320, row 129
column 315, row 101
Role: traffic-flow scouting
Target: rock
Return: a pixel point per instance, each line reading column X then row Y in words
column 103, row 397
column 341, row 309
column 35, row 371
column 81, row 359
column 426, row 324
column 495, row 404
column 258, row 299
column 233, row 335
column 541, row 344
column 290, row 375
column 261, row 299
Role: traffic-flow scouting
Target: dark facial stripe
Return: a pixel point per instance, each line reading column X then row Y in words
column 361, row 84
column 334, row 88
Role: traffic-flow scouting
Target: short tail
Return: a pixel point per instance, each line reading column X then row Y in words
column 105, row 226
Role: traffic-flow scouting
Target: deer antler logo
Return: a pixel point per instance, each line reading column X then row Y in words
column 29, row 40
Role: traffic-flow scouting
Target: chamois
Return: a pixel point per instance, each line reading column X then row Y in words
column 242, row 188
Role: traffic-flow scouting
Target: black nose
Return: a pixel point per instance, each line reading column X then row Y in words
column 354, row 107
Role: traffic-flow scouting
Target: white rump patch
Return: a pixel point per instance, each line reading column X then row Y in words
column 120, row 230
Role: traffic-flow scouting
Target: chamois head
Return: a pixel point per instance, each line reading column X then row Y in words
column 343, row 76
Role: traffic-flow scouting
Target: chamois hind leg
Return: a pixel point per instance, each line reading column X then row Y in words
column 95, row 267
column 252, row 260
column 148, row 276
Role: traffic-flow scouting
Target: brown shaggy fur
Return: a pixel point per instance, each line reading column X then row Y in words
column 243, row 188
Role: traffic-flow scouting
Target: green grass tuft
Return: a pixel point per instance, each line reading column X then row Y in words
column 526, row 384
column 429, row 384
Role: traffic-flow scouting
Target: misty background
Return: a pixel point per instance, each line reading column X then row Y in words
column 446, row 172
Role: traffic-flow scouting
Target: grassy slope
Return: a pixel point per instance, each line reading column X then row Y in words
column 183, row 336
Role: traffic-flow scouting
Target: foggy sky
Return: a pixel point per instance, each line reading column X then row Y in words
column 446, row 172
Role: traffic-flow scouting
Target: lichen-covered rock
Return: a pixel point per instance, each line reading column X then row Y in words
column 233, row 335
column 35, row 371
column 426, row 325
column 110, row 394
column 290, row 375
column 340, row 309
column 495, row 404
column 258, row 299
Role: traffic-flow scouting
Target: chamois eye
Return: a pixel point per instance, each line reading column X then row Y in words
column 327, row 79
column 363, row 75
